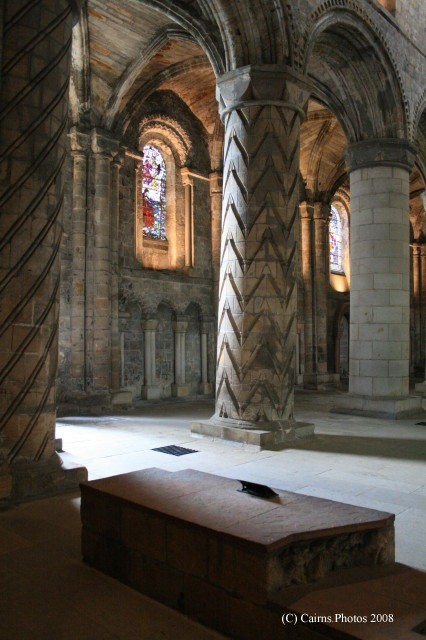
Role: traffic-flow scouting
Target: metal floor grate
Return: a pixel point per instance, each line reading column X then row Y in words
column 174, row 450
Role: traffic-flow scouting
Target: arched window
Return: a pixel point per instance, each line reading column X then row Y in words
column 336, row 242
column 153, row 194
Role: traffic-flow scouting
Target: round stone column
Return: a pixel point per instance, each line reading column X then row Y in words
column 216, row 214
column 150, row 390
column 380, row 280
column 306, row 213
column 180, row 388
column 262, row 108
column 33, row 118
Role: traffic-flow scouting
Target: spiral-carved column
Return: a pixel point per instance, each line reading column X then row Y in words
column 33, row 116
column 262, row 108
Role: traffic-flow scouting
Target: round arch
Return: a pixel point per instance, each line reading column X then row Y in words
column 353, row 74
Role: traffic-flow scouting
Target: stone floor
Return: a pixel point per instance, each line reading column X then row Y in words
column 48, row 593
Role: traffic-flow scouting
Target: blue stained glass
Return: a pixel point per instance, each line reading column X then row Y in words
column 336, row 242
column 153, row 194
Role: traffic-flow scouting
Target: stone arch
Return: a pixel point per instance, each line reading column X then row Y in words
column 169, row 32
column 123, row 119
column 79, row 92
column 169, row 132
column 353, row 72
column 253, row 32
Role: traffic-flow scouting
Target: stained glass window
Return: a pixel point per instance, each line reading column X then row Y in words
column 336, row 242
column 153, row 194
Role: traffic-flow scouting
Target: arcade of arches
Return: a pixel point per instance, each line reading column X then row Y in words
column 208, row 197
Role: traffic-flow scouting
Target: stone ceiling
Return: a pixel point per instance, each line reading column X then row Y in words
column 133, row 52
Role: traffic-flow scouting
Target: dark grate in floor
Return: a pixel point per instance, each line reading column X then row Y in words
column 421, row 628
column 423, row 424
column 174, row 450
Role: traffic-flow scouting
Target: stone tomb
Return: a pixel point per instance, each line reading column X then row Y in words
column 194, row 542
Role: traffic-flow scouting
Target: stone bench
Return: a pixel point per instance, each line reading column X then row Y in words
column 194, row 542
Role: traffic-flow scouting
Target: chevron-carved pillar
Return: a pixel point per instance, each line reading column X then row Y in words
column 33, row 118
column 262, row 108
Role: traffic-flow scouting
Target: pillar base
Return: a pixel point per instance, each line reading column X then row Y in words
column 121, row 397
column 205, row 388
column 321, row 380
column 420, row 388
column 180, row 390
column 233, row 432
column 380, row 407
column 32, row 480
column 150, row 393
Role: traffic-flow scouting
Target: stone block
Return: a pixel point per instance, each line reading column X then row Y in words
column 150, row 393
column 144, row 532
column 186, row 549
column 180, row 390
column 121, row 397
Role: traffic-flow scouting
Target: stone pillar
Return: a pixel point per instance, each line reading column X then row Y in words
column 188, row 186
column 80, row 145
column 35, row 72
column 99, row 270
column 206, row 387
column 306, row 214
column 321, row 216
column 216, row 217
column 416, row 340
column 150, row 390
column 180, row 388
column 380, row 280
column 262, row 108
column 422, row 304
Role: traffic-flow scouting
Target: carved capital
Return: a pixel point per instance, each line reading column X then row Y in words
column 380, row 152
column 262, row 85
column 149, row 324
column 104, row 143
column 416, row 249
column 180, row 325
column 305, row 210
column 187, row 178
column 322, row 211
column 206, row 325
column 79, row 140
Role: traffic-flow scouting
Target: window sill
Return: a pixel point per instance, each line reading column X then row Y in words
column 155, row 245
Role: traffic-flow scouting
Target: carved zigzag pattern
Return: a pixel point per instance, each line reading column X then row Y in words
column 31, row 285
column 258, row 265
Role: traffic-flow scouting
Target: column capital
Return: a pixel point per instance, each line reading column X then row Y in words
column 206, row 325
column 322, row 211
column 180, row 325
column 391, row 152
column 416, row 248
column 268, row 84
column 104, row 143
column 306, row 210
column 149, row 324
column 79, row 141
column 423, row 250
column 187, row 178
